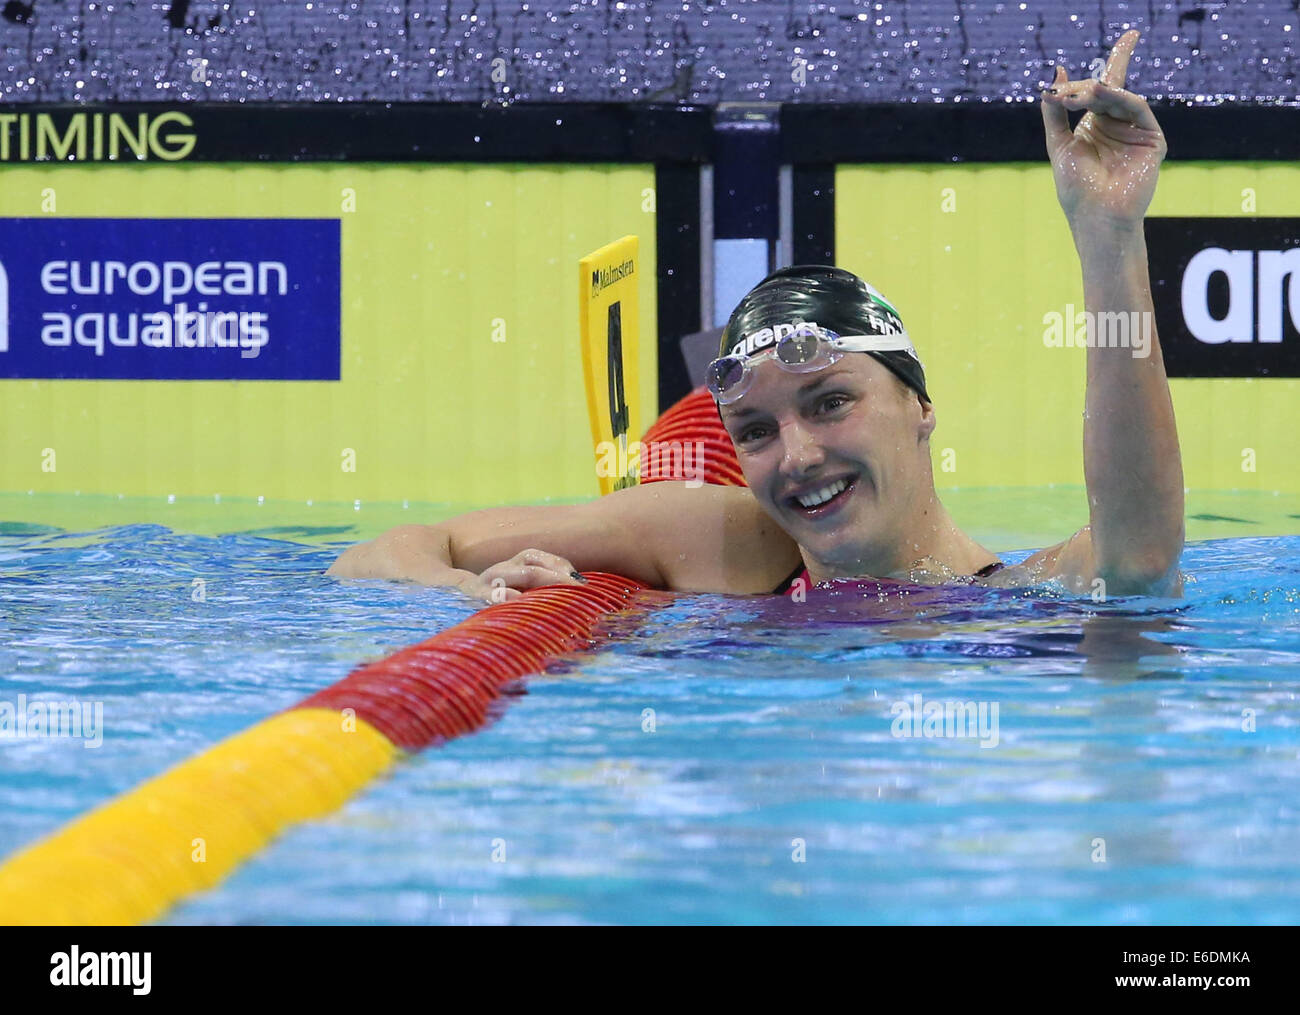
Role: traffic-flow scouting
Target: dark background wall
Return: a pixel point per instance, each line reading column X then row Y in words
column 639, row 50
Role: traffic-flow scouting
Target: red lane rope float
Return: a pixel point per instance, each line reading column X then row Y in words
column 446, row 686
column 136, row 856
column 693, row 419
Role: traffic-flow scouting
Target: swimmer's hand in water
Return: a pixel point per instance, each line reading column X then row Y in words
column 1105, row 169
column 528, row 569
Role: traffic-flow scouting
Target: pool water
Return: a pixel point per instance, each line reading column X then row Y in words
column 719, row 759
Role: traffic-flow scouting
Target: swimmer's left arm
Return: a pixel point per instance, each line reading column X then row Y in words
column 1105, row 172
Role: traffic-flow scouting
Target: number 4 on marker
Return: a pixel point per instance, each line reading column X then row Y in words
column 618, row 414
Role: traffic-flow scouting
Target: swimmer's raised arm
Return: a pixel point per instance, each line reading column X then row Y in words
column 1105, row 172
column 668, row 535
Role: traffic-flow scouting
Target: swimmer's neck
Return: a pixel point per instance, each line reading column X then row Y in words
column 934, row 542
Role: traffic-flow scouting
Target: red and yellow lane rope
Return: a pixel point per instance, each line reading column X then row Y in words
column 132, row 859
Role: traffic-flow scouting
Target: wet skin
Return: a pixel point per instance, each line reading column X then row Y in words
column 854, row 420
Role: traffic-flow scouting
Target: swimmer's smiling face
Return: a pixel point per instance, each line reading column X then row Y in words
column 839, row 458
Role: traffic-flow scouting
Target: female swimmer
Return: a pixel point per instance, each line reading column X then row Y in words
column 820, row 388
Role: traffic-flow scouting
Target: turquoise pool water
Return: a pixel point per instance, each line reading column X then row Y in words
column 1146, row 766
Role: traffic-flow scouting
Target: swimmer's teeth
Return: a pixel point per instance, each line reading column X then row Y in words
column 822, row 495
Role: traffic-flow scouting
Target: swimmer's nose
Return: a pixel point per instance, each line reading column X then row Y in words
column 802, row 452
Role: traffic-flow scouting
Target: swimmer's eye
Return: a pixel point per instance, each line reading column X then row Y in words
column 835, row 400
column 751, row 434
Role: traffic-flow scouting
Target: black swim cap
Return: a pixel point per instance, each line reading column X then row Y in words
column 831, row 297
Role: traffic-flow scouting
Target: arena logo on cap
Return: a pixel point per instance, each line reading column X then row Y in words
column 170, row 299
column 1227, row 295
column 764, row 337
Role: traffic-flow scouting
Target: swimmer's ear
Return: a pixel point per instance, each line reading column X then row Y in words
column 928, row 420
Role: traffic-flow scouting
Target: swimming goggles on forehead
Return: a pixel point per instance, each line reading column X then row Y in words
column 803, row 349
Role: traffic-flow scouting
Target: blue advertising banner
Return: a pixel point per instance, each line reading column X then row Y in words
column 170, row 299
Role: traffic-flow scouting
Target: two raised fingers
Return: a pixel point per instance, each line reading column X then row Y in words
column 528, row 569
column 1106, row 96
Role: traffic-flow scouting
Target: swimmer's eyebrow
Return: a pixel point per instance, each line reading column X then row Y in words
column 810, row 386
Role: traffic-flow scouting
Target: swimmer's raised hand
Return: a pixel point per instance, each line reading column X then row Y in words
column 1106, row 168
column 527, row 569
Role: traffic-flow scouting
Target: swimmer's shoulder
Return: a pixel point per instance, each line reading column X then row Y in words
column 1053, row 562
column 1071, row 563
column 712, row 538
